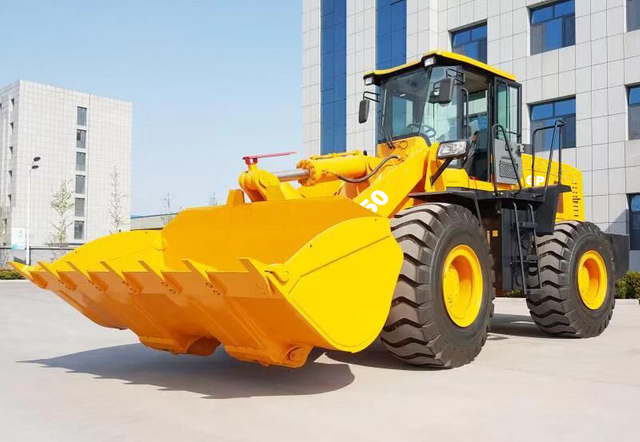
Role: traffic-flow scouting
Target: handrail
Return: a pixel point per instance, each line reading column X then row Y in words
column 559, row 123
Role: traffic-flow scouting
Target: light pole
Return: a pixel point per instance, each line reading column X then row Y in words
column 33, row 167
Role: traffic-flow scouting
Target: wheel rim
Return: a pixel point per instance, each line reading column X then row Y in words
column 462, row 285
column 592, row 279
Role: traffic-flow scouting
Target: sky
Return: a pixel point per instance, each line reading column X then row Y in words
column 210, row 81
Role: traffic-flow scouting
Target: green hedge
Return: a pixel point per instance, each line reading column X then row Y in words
column 629, row 286
column 9, row 274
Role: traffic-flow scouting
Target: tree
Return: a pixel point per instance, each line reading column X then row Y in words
column 168, row 211
column 213, row 199
column 61, row 203
column 116, row 202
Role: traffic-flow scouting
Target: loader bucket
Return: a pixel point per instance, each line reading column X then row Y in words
column 267, row 280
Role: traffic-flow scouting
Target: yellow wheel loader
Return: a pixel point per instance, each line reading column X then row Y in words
column 409, row 240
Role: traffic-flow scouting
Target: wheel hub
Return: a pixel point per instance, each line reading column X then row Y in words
column 462, row 285
column 592, row 279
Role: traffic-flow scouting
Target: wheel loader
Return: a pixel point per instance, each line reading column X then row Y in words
column 409, row 240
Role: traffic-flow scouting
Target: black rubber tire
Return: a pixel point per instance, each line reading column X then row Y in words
column 419, row 330
column 560, row 310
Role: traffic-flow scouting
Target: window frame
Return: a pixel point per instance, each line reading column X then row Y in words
column 632, row 20
column 84, row 164
column 547, row 121
column 78, row 113
column 631, row 109
column 80, row 139
column 566, row 40
column 84, row 207
column 84, row 184
column 82, row 223
column 479, row 41
column 634, row 239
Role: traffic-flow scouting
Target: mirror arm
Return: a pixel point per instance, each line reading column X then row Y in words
column 440, row 170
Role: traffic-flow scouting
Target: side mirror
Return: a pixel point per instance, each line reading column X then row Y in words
column 363, row 112
column 442, row 92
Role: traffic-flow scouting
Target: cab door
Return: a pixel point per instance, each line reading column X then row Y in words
column 506, row 131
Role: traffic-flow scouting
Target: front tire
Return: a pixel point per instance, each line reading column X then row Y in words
column 443, row 300
column 577, row 276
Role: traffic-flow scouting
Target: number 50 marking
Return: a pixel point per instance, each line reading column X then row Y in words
column 378, row 197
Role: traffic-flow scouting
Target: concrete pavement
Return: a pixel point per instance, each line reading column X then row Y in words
column 65, row 378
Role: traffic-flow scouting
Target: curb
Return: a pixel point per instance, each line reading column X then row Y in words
column 618, row 301
column 628, row 301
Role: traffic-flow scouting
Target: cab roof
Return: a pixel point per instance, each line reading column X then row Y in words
column 447, row 55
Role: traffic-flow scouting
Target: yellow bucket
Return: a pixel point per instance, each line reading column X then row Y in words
column 268, row 280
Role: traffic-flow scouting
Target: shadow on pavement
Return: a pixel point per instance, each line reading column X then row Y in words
column 216, row 377
column 377, row 356
column 516, row 325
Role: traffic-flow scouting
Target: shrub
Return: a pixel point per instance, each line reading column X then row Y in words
column 10, row 274
column 629, row 286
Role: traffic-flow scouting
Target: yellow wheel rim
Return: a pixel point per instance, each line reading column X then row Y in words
column 462, row 285
column 592, row 279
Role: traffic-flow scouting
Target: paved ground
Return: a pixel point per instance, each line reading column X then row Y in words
column 63, row 378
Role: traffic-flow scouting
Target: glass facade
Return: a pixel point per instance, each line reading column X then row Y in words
column 553, row 27
column 634, row 113
column 334, row 76
column 471, row 42
column 391, row 33
column 546, row 114
column 633, row 15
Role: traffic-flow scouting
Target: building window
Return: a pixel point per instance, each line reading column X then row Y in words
column 546, row 114
column 12, row 103
column 80, row 207
column 471, row 42
column 81, row 139
column 78, row 230
column 9, row 200
column 553, row 27
column 10, row 128
column 10, row 152
column 10, row 176
column 80, row 184
column 634, row 221
column 634, row 113
column 633, row 15
column 391, row 33
column 81, row 161
column 82, row 116
column 334, row 76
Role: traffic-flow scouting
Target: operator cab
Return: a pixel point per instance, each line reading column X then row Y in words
column 446, row 98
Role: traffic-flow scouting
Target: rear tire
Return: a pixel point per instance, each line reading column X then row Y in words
column 561, row 309
column 420, row 330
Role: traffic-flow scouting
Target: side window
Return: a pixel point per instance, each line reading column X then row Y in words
column 508, row 111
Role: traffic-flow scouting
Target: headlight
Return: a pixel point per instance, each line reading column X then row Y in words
column 452, row 149
column 368, row 80
column 430, row 61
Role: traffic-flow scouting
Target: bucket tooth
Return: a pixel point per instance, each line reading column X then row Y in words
column 148, row 280
column 131, row 286
column 25, row 271
column 252, row 283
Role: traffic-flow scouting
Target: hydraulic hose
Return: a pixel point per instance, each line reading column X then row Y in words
column 370, row 174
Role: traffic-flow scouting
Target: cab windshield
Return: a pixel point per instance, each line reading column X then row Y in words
column 407, row 109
